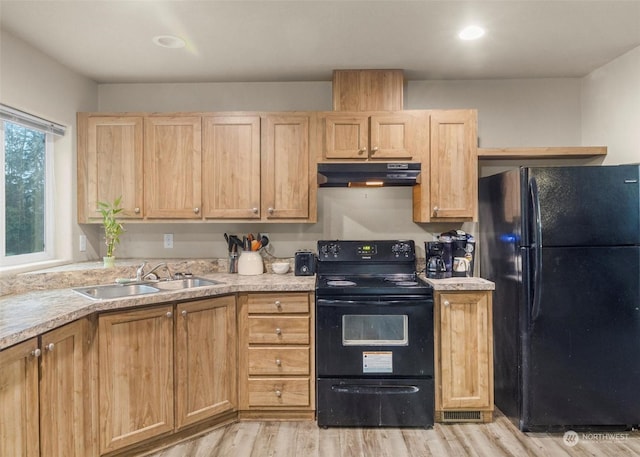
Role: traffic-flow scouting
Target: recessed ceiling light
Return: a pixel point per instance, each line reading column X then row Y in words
column 169, row 41
column 473, row 32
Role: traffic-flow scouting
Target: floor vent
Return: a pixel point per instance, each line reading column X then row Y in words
column 462, row 416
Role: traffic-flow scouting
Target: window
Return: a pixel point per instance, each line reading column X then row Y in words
column 26, row 190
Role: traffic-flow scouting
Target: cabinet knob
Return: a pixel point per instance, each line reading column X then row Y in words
column 169, row 314
column 435, row 210
column 374, row 149
column 184, row 313
column 278, row 331
column 136, row 210
column 362, row 151
column 270, row 210
column 36, row 352
column 279, row 362
column 278, row 304
column 254, row 210
column 278, row 393
column 446, row 303
column 49, row 347
column 196, row 210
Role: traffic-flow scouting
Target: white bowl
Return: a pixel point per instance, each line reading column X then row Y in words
column 280, row 267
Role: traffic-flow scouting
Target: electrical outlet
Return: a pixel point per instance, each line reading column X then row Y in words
column 83, row 243
column 168, row 240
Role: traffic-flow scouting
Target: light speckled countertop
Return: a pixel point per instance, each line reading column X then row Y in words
column 24, row 315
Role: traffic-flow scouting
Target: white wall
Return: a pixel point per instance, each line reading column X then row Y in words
column 31, row 81
column 611, row 108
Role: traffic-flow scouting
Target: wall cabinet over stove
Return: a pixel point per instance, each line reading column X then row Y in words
column 276, row 370
column 463, row 356
column 393, row 135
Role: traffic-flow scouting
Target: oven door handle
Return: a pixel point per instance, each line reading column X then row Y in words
column 374, row 390
column 349, row 303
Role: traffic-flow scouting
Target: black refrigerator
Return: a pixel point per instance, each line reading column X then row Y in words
column 562, row 245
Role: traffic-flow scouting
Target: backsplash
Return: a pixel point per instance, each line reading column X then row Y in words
column 89, row 273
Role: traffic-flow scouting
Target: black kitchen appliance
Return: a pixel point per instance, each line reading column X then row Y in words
column 304, row 263
column 374, row 336
column 436, row 266
column 563, row 248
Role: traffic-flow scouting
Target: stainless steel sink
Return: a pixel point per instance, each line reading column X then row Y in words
column 186, row 283
column 115, row 291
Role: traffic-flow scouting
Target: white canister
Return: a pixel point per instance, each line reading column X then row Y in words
column 250, row 263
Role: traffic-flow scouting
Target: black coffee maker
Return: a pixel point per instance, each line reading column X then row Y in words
column 436, row 266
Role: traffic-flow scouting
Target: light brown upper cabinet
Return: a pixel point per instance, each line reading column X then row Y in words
column 287, row 177
column 231, row 167
column 110, row 160
column 368, row 90
column 448, row 190
column 373, row 136
column 172, row 167
column 259, row 167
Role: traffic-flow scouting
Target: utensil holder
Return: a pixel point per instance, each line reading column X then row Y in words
column 250, row 263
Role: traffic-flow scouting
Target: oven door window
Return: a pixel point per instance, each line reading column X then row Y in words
column 375, row 330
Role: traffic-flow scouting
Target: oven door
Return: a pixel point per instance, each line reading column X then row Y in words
column 374, row 337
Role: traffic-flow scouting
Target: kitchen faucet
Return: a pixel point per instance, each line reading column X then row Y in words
column 141, row 275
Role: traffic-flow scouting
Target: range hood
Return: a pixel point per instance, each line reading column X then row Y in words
column 368, row 174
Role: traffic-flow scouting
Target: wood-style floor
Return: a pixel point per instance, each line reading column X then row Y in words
column 305, row 439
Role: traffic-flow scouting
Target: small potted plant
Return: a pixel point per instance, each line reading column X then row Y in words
column 112, row 228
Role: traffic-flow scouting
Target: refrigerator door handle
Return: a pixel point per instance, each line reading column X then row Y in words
column 537, row 248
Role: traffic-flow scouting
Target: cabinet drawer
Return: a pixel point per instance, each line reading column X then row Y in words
column 279, row 392
column 279, row 329
column 278, row 361
column 279, row 303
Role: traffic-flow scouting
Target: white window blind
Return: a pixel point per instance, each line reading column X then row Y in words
column 28, row 120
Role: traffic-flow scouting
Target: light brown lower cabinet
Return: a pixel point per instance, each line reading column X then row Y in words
column 206, row 347
column 275, row 364
column 141, row 396
column 463, row 356
column 51, row 414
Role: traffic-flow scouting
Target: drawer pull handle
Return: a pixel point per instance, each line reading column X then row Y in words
column 279, row 362
column 278, row 304
column 278, row 331
column 278, row 393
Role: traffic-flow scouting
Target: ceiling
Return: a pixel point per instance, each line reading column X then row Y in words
column 304, row 40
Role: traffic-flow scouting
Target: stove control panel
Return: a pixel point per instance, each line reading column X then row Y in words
column 373, row 251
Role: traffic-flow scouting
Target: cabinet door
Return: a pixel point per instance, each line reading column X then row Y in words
column 67, row 391
column 205, row 359
column 231, row 167
column 393, row 137
column 454, row 165
column 110, row 152
column 465, row 344
column 136, row 376
column 285, row 167
column 19, row 427
column 172, row 167
column 346, row 136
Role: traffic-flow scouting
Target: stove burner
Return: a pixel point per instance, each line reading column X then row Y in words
column 340, row 283
column 407, row 283
column 335, row 278
column 400, row 278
